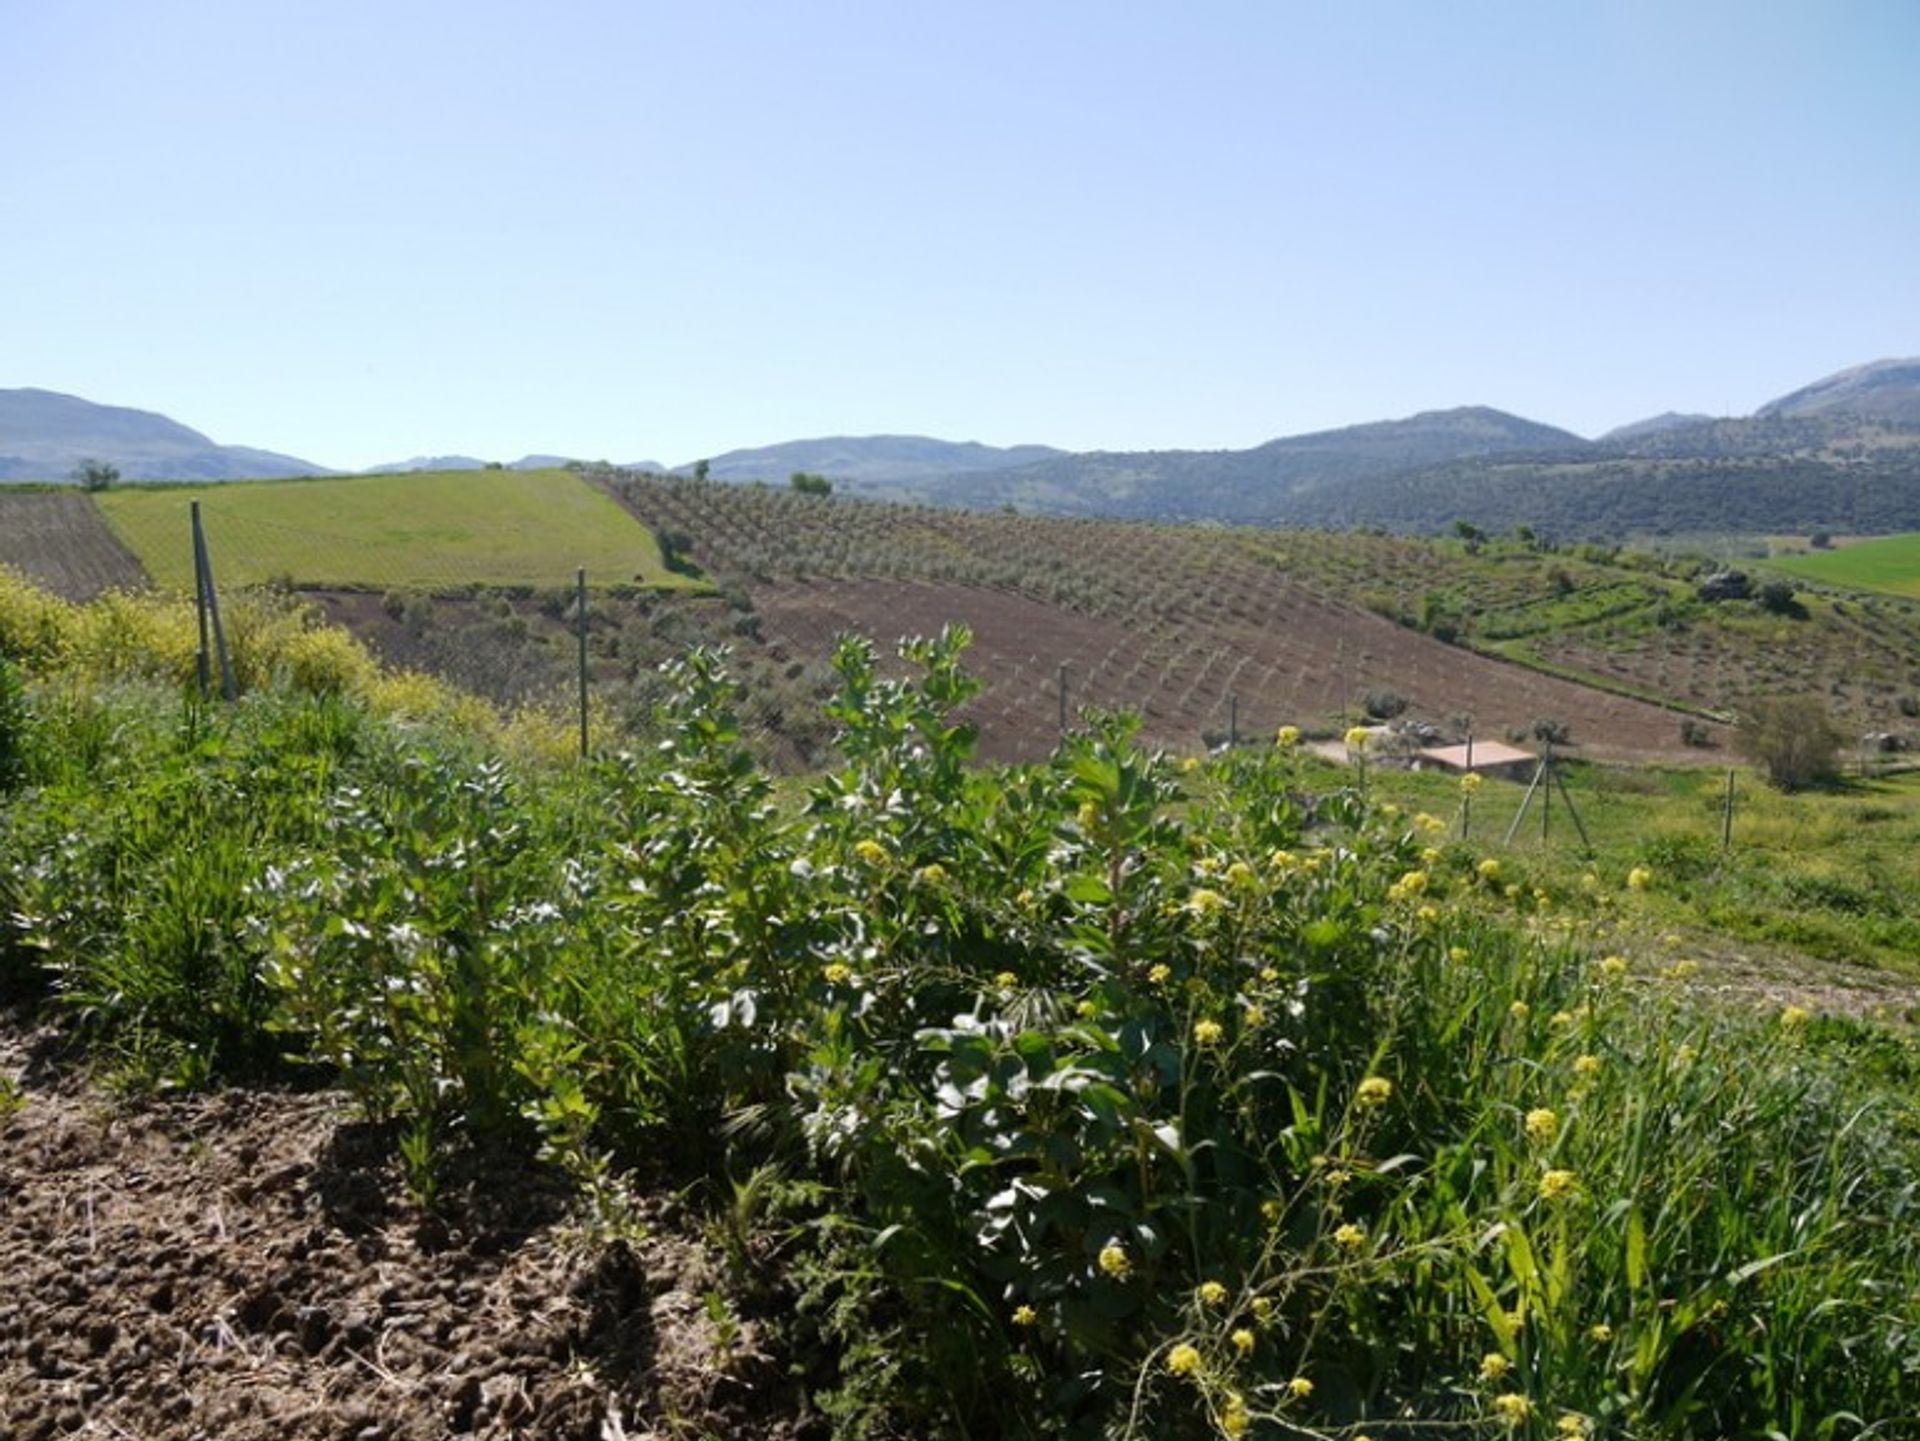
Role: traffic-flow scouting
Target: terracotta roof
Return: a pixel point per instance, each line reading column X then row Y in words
column 1485, row 753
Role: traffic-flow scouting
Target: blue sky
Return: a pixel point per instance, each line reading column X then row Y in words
column 362, row 231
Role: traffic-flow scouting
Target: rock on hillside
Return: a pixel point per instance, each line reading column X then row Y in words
column 1882, row 389
column 44, row 435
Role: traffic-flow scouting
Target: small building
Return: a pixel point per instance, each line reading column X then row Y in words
column 1490, row 758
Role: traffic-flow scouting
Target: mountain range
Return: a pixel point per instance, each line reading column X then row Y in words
column 44, row 435
column 1842, row 454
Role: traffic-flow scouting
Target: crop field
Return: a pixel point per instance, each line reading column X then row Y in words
column 462, row 1089
column 1889, row 563
column 56, row 539
column 1175, row 624
column 422, row 530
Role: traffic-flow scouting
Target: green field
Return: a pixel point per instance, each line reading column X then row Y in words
column 1888, row 563
column 431, row 529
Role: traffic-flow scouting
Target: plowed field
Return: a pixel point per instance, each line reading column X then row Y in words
column 58, row 540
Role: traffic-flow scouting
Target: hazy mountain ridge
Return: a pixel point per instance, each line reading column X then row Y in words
column 870, row 460
column 44, row 435
column 1887, row 390
column 1257, row 484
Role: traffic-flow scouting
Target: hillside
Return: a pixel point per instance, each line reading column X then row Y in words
column 44, row 435
column 870, row 460
column 1883, row 389
column 1259, row 485
column 424, row 529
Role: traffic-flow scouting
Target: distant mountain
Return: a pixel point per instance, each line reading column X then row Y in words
column 465, row 462
column 1265, row 483
column 1653, row 425
column 428, row 462
column 871, row 460
column 1882, row 390
column 44, row 435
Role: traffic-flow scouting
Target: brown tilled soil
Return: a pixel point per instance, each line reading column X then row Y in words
column 1289, row 655
column 244, row 1266
column 57, row 539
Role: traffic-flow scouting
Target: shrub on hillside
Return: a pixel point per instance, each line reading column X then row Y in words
column 1792, row 738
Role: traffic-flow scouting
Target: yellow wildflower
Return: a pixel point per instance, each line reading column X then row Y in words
column 1520, row 1010
column 1271, row 1211
column 1287, row 737
column 1234, row 1420
column 1489, row 869
column 1457, row 954
column 1242, row 1340
column 870, row 851
column 1613, row 967
column 1600, row 1332
column 1512, row 892
column 1262, row 1308
column 1159, row 972
column 836, row 974
column 1006, row 980
column 1254, row 1016
column 1207, row 1033
column 1114, row 1262
column 1571, row 1425
column 1025, row 1315
column 1543, row 1124
column 1269, row 975
column 1493, row 1366
column 1793, row 1017
column 1680, row 970
column 1639, row 878
column 1561, row 1018
column 1088, row 815
column 1184, row 1359
column 1374, row 1091
column 1204, row 902
column 932, row 873
column 1558, row 1185
column 1357, row 738
column 1588, row 1065
column 1239, row 873
column 1086, row 1009
column 1685, row 1056
column 1350, row 1237
column 1282, row 860
column 1432, row 824
column 1512, row 1408
column 1471, row 782
column 1212, row 1293
column 1189, row 765
column 1299, row 1388
column 1413, row 883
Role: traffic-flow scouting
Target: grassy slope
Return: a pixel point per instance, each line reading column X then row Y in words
column 1816, row 896
column 434, row 529
column 1889, row 563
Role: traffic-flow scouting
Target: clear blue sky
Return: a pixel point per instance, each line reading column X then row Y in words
column 361, row 231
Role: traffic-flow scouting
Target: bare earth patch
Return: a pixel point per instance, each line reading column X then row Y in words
column 245, row 1266
column 1288, row 655
column 58, row 540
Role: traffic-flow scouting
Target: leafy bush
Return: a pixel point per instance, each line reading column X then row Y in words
column 1792, row 738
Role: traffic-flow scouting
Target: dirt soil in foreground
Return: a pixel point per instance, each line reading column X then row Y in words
column 245, row 1265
